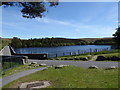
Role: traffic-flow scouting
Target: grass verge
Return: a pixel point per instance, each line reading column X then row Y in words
column 72, row 77
column 18, row 69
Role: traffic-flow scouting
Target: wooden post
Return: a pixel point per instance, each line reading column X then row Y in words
column 90, row 51
column 95, row 50
column 63, row 54
column 56, row 54
column 70, row 53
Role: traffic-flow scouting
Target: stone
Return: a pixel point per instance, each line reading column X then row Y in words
column 65, row 65
column 30, row 64
column 93, row 67
column 36, row 65
column 83, row 58
column 33, row 62
column 112, row 67
column 89, row 55
column 42, row 64
column 34, row 85
column 60, row 66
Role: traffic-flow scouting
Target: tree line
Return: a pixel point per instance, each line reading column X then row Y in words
column 50, row 42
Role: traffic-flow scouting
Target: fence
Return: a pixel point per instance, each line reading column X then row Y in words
column 90, row 51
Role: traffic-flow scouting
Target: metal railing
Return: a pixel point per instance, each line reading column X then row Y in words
column 58, row 54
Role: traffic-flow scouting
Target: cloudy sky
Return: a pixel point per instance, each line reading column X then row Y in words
column 68, row 20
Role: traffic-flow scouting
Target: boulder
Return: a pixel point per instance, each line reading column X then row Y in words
column 42, row 64
column 89, row 55
column 84, row 58
column 60, row 66
column 112, row 67
column 29, row 64
column 37, row 65
column 93, row 67
column 33, row 62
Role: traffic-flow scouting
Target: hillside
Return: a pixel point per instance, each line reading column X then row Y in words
column 95, row 39
column 4, row 42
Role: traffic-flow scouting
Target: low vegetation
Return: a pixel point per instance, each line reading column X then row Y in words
column 7, row 65
column 72, row 77
column 109, row 57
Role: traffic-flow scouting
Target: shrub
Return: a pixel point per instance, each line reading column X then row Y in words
column 110, row 57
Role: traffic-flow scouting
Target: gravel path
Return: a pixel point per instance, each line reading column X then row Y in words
column 13, row 77
column 84, row 64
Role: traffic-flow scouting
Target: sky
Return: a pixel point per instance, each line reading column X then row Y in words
column 67, row 20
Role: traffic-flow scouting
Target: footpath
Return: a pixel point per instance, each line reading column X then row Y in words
column 8, row 79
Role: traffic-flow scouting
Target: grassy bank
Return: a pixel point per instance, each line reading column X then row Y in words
column 89, row 56
column 18, row 69
column 73, row 77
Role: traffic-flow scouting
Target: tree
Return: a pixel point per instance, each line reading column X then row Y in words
column 30, row 9
column 117, row 36
column 16, row 42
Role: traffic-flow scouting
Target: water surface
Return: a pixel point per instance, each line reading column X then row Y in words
column 62, row 50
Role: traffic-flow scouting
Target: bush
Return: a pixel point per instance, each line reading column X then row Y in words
column 100, row 58
column 110, row 57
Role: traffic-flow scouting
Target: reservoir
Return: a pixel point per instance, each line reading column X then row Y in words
column 63, row 50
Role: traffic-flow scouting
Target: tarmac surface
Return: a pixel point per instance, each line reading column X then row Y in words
column 84, row 64
column 13, row 77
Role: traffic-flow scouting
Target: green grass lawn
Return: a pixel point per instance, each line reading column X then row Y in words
column 18, row 69
column 72, row 77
